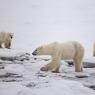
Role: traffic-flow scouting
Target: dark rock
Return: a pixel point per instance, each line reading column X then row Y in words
column 46, row 59
column 85, row 64
column 35, row 58
column 90, row 86
column 32, row 84
column 11, row 80
column 41, row 74
column 1, row 67
column 20, row 57
column 15, row 75
column 7, row 58
column 81, row 76
column 89, row 64
column 70, row 63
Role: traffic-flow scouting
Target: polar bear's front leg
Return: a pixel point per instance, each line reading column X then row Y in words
column 54, row 67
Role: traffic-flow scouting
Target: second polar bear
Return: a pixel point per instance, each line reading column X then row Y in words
column 68, row 50
column 5, row 38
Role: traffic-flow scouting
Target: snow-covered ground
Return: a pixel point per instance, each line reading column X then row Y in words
column 22, row 76
column 54, row 87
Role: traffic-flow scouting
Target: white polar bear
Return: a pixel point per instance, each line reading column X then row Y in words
column 68, row 50
column 5, row 38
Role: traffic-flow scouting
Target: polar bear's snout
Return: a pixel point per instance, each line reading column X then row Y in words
column 35, row 52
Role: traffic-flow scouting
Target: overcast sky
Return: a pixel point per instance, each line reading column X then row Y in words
column 38, row 21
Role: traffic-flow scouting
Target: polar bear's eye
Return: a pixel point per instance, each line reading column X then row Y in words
column 36, row 50
column 11, row 36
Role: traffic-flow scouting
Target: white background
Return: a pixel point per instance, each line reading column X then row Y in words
column 35, row 22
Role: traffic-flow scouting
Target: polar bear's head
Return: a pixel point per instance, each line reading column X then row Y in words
column 43, row 50
column 11, row 35
column 38, row 51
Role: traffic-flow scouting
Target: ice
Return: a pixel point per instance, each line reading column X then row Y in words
column 36, row 82
column 55, row 87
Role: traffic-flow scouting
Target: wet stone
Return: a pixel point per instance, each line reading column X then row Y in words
column 32, row 84
column 91, row 86
column 89, row 64
column 70, row 63
column 1, row 67
column 82, row 76
column 86, row 64
column 11, row 80
column 40, row 74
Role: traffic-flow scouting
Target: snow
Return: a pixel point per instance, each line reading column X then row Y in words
column 34, row 82
column 15, row 69
column 55, row 87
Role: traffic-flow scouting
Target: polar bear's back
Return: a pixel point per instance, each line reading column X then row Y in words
column 70, row 49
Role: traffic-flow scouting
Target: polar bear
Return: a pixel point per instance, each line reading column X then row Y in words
column 5, row 39
column 67, row 50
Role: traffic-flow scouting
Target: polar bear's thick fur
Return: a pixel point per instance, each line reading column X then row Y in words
column 5, row 39
column 69, row 50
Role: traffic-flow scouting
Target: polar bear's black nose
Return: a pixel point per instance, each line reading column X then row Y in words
column 34, row 53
